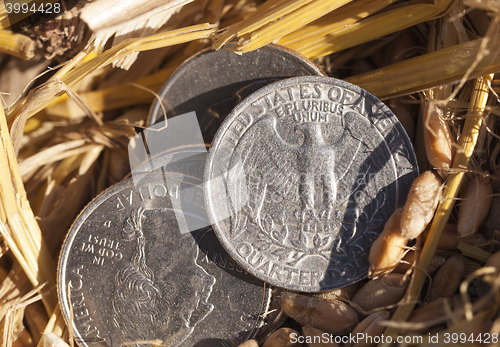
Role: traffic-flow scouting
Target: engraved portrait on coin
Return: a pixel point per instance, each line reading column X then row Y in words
column 127, row 276
column 142, row 306
column 301, row 177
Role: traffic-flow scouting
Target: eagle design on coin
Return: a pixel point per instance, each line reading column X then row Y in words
column 301, row 177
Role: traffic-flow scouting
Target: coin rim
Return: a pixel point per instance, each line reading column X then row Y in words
column 282, row 50
column 218, row 140
column 69, row 239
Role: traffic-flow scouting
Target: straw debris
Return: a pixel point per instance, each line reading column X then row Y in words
column 65, row 138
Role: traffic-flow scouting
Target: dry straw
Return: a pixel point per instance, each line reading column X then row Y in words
column 18, row 226
column 466, row 146
column 17, row 45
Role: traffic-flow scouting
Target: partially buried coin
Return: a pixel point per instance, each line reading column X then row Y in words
column 127, row 276
column 212, row 83
column 185, row 160
column 189, row 161
column 300, row 179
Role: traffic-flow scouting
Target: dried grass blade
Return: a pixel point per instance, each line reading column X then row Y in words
column 106, row 99
column 55, row 325
column 17, row 45
column 466, row 146
column 374, row 27
column 473, row 252
column 289, row 23
column 75, row 75
column 49, row 155
column 110, row 16
column 81, row 56
column 345, row 15
column 16, row 214
column 6, row 234
column 267, row 5
column 427, row 71
column 89, row 158
column 12, row 286
column 259, row 20
column 62, row 203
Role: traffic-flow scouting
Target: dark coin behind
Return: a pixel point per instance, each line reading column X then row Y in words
column 212, row 83
column 189, row 161
column 300, row 179
column 130, row 276
column 185, row 160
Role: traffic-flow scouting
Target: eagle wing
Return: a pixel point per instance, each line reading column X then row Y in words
column 262, row 162
column 348, row 147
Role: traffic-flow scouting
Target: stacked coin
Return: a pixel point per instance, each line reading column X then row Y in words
column 212, row 83
column 301, row 175
column 312, row 168
column 128, row 275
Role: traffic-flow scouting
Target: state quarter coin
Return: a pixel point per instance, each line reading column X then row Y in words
column 128, row 277
column 212, row 83
column 300, row 179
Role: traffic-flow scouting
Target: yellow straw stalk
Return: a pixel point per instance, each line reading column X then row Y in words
column 17, row 45
column 466, row 146
column 374, row 27
column 444, row 66
column 18, row 225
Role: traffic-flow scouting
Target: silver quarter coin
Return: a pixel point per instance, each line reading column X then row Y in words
column 212, row 83
column 300, row 179
column 128, row 277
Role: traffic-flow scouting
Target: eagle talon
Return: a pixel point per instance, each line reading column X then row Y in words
column 309, row 215
column 328, row 214
column 252, row 213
